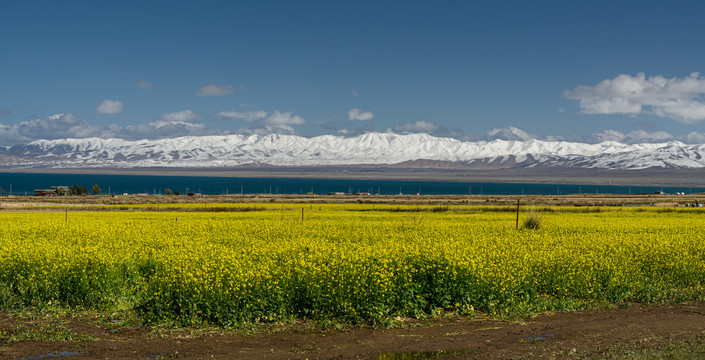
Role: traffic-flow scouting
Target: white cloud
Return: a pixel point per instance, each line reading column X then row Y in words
column 641, row 136
column 279, row 129
column 144, row 84
column 694, row 138
column 674, row 98
column 266, row 130
column 364, row 128
column 357, row 114
column 326, row 125
column 162, row 129
column 169, row 125
column 417, row 127
column 215, row 90
column 61, row 126
column 57, row 126
column 286, row 118
column 110, row 107
column 248, row 116
column 633, row 137
column 553, row 138
column 263, row 122
column 607, row 135
column 686, row 111
column 184, row 123
column 263, row 118
column 431, row 128
column 181, row 116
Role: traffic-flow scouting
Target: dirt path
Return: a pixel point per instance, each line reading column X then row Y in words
column 545, row 336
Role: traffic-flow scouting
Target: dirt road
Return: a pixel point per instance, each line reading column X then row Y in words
column 560, row 335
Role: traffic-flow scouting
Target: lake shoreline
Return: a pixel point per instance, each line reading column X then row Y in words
column 642, row 177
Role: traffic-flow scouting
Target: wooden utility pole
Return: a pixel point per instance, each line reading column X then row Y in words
column 517, row 214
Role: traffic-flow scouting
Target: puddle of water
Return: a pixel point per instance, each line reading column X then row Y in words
column 538, row 338
column 54, row 355
column 422, row 355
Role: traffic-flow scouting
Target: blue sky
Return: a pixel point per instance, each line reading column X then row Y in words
column 573, row 70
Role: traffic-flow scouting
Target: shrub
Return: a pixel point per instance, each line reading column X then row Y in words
column 533, row 222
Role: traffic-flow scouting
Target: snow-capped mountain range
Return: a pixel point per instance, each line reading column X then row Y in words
column 328, row 150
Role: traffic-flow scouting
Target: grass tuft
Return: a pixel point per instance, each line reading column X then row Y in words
column 533, row 222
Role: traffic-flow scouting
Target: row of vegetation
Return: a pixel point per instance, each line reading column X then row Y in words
column 329, row 263
column 80, row 190
column 77, row 190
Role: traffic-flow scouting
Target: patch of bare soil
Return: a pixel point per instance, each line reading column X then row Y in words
column 559, row 335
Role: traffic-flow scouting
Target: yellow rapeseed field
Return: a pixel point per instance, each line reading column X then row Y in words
column 351, row 263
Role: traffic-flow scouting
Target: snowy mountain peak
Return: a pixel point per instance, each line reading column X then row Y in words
column 366, row 149
column 509, row 133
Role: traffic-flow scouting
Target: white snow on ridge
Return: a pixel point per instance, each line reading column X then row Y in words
column 370, row 148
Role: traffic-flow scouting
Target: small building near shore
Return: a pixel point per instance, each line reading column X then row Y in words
column 58, row 190
column 44, row 192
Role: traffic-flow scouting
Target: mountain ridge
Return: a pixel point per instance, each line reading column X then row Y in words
column 390, row 149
